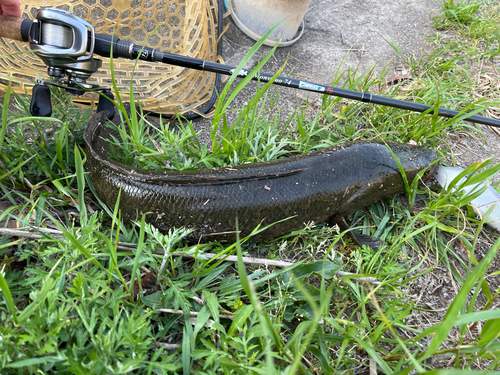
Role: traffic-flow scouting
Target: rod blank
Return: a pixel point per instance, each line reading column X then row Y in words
column 129, row 50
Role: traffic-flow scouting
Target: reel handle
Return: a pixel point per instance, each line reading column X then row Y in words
column 14, row 28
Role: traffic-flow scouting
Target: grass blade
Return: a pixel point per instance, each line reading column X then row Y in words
column 5, row 112
column 138, row 253
column 8, row 297
column 460, row 300
column 80, row 178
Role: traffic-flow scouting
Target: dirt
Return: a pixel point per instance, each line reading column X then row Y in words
column 356, row 33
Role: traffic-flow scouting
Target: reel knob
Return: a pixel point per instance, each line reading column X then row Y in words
column 40, row 105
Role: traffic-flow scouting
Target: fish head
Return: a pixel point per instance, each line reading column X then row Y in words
column 415, row 159
column 373, row 171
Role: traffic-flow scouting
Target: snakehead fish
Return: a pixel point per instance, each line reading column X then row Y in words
column 318, row 186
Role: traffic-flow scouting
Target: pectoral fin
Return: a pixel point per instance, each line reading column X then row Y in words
column 358, row 238
column 362, row 239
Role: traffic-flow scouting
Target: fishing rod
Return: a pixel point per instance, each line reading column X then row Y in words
column 67, row 44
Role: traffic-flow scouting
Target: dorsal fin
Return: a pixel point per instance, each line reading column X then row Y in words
column 97, row 133
column 204, row 177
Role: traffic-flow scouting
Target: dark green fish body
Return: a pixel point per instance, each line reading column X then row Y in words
column 316, row 186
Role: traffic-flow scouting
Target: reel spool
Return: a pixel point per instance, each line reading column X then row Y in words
column 65, row 43
column 57, row 35
column 184, row 27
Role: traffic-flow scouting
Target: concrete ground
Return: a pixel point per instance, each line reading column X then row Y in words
column 359, row 29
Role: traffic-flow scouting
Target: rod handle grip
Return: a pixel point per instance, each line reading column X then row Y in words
column 14, row 28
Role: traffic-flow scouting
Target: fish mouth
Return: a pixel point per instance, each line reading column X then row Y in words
column 428, row 176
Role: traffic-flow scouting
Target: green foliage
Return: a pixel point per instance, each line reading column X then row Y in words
column 87, row 293
column 462, row 11
column 477, row 21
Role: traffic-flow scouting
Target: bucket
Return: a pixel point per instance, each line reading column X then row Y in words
column 256, row 17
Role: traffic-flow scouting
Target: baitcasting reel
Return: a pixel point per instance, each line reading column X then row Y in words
column 66, row 45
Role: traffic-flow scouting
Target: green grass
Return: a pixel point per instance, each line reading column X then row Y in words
column 478, row 21
column 86, row 293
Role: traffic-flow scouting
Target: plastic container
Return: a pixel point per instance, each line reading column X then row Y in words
column 490, row 197
column 256, row 17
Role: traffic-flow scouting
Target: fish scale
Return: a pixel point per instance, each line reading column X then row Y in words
column 317, row 186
